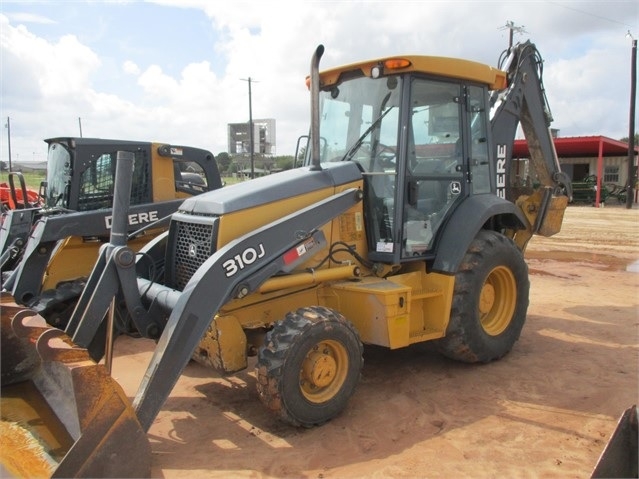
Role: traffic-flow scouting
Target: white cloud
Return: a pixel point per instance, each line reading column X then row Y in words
column 48, row 84
column 23, row 17
column 130, row 68
column 157, row 84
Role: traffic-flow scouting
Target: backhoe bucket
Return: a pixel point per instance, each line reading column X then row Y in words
column 62, row 415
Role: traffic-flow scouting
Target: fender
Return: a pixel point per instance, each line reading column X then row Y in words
column 464, row 224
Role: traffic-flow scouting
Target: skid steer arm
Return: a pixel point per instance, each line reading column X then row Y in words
column 10, row 254
column 25, row 281
column 113, row 272
column 14, row 232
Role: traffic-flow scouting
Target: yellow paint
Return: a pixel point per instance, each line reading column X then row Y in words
column 443, row 66
column 21, row 455
column 32, row 438
column 163, row 176
column 76, row 257
column 404, row 309
column 223, row 346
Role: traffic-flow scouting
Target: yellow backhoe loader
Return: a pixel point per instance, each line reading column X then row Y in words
column 407, row 224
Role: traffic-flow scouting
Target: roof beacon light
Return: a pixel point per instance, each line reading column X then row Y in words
column 390, row 64
column 396, row 63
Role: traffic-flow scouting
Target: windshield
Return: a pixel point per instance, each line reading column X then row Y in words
column 58, row 175
column 359, row 122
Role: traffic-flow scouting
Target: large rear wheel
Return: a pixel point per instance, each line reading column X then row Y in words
column 309, row 366
column 490, row 301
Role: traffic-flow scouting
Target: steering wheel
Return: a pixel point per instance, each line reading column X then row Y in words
column 447, row 166
column 385, row 155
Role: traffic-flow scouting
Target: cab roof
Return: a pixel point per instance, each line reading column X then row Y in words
column 439, row 66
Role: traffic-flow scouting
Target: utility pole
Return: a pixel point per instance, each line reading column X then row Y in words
column 250, row 126
column 631, row 134
column 80, row 125
column 512, row 29
column 8, row 125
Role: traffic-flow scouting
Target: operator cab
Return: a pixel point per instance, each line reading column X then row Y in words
column 421, row 142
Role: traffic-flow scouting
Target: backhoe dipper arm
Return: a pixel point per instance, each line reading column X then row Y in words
column 214, row 284
column 524, row 101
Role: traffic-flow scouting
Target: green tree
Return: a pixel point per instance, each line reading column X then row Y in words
column 301, row 154
column 284, row 162
column 223, row 161
column 625, row 139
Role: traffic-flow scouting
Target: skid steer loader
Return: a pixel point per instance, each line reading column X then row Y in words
column 407, row 224
column 49, row 250
column 13, row 197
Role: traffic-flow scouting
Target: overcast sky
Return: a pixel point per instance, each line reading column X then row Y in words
column 173, row 70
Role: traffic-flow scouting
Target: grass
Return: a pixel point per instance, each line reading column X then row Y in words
column 32, row 179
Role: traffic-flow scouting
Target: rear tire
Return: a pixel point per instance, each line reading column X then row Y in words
column 490, row 301
column 309, row 366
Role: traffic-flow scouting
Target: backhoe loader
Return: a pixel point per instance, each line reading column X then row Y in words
column 49, row 250
column 407, row 224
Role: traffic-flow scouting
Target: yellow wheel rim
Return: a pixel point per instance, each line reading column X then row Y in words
column 497, row 300
column 324, row 371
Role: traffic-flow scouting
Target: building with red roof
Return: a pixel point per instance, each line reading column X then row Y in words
column 598, row 158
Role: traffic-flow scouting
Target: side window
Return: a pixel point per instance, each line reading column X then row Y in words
column 479, row 164
column 97, row 182
column 435, row 158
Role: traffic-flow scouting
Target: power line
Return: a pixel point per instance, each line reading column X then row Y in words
column 512, row 30
column 600, row 17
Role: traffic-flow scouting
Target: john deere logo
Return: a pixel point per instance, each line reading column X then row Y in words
column 192, row 250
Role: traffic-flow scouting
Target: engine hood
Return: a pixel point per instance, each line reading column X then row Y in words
column 270, row 188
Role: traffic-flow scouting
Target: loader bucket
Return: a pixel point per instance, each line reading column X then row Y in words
column 62, row 415
column 619, row 458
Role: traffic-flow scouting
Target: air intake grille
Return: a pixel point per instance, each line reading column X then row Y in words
column 193, row 246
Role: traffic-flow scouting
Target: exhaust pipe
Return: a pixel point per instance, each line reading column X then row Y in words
column 315, row 130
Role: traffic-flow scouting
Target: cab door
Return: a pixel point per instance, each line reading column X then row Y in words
column 436, row 176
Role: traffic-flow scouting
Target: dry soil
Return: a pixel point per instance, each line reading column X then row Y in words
column 545, row 410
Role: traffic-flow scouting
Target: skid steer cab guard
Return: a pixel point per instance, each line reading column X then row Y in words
column 62, row 414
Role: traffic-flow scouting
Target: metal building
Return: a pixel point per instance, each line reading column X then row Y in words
column 239, row 140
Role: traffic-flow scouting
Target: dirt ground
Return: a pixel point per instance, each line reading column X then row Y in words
column 545, row 410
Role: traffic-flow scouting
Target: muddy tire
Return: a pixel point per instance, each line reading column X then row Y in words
column 309, row 366
column 490, row 301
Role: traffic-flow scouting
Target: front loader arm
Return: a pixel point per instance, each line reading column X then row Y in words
column 215, row 283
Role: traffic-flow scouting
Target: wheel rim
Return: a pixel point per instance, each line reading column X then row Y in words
column 497, row 300
column 324, row 371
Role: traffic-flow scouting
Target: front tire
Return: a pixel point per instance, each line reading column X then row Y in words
column 309, row 366
column 490, row 301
